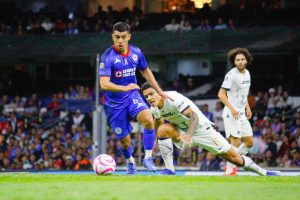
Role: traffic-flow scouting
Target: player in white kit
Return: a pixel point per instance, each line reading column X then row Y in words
column 234, row 95
column 187, row 126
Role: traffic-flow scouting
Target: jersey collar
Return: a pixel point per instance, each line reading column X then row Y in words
column 123, row 55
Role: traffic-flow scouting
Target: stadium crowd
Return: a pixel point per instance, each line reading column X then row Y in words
column 45, row 19
column 26, row 144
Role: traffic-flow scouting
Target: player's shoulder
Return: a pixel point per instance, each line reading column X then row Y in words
column 232, row 72
column 247, row 72
column 134, row 48
column 108, row 52
column 176, row 96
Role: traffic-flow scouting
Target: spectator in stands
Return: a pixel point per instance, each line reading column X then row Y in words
column 206, row 112
column 286, row 102
column 211, row 163
column 221, row 25
column 276, row 124
column 218, row 119
column 189, row 84
column 261, row 103
column 77, row 119
column 71, row 28
column 272, row 102
column 295, row 162
column 54, row 104
column 231, row 24
column 173, row 26
column 186, row 26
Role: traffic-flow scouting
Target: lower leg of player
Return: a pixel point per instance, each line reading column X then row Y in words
column 250, row 165
column 127, row 153
column 148, row 139
column 166, row 149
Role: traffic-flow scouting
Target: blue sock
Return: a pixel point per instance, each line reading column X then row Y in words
column 127, row 153
column 149, row 137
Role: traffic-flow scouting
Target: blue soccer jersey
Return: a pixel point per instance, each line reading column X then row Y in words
column 121, row 69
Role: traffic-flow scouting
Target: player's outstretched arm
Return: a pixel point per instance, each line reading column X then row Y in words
column 147, row 73
column 105, row 84
column 194, row 121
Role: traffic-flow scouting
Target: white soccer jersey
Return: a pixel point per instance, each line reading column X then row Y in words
column 237, row 85
column 172, row 111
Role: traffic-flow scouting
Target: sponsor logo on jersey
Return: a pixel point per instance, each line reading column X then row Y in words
column 134, row 57
column 168, row 114
column 129, row 72
column 117, row 61
column 246, row 82
column 118, row 74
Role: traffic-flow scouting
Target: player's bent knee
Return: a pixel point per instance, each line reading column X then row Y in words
column 148, row 123
column 162, row 130
column 249, row 144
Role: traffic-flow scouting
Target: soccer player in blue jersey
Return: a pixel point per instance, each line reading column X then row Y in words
column 122, row 100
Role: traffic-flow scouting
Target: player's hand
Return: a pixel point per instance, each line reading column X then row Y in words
column 186, row 138
column 248, row 113
column 235, row 114
column 131, row 86
column 161, row 93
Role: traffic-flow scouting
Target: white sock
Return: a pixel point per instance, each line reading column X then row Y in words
column 130, row 160
column 166, row 150
column 243, row 150
column 250, row 165
column 148, row 154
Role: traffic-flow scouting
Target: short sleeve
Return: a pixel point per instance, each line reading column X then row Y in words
column 181, row 102
column 155, row 112
column 105, row 66
column 227, row 83
column 142, row 63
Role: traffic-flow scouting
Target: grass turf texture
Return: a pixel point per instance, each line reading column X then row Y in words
column 86, row 186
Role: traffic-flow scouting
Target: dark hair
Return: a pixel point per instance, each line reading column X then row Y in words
column 146, row 86
column 233, row 52
column 121, row 27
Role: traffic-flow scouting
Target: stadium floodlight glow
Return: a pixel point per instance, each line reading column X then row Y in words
column 200, row 3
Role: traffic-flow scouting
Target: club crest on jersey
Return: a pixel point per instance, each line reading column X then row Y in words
column 118, row 130
column 134, row 57
column 118, row 74
column 101, row 65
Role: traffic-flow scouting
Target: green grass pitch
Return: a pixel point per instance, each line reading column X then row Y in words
column 16, row 186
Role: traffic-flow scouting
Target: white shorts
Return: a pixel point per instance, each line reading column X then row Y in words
column 208, row 139
column 236, row 127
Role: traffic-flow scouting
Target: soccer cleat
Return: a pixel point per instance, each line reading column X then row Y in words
column 131, row 168
column 167, row 172
column 149, row 164
column 273, row 173
column 232, row 173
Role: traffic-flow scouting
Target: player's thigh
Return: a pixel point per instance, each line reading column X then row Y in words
column 211, row 140
column 232, row 127
column 168, row 130
column 119, row 122
column 137, row 109
column 246, row 129
column 145, row 118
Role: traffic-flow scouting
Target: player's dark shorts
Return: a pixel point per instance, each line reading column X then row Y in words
column 119, row 116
